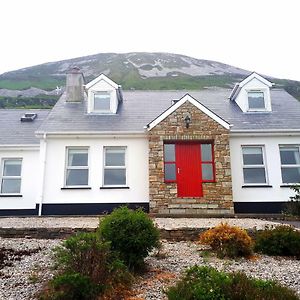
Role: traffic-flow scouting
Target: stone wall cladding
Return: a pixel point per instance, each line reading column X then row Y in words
column 217, row 196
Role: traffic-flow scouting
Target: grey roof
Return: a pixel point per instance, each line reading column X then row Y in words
column 15, row 132
column 141, row 107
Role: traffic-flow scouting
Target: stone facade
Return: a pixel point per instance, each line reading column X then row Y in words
column 217, row 196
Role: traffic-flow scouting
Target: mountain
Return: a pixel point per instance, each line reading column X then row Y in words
column 133, row 71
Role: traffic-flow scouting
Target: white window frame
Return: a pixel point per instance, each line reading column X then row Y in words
column 102, row 111
column 288, row 166
column 263, row 166
column 10, row 177
column 256, row 109
column 114, row 167
column 67, row 167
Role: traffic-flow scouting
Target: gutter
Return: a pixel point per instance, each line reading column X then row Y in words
column 43, row 175
column 40, row 134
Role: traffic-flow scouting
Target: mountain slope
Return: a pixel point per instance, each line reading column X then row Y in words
column 135, row 71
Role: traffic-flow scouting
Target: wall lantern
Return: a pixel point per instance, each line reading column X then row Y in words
column 187, row 120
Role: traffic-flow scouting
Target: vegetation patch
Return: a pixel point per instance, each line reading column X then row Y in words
column 132, row 235
column 8, row 255
column 209, row 284
column 228, row 241
column 281, row 240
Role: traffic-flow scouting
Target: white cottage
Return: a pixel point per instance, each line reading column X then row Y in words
column 213, row 151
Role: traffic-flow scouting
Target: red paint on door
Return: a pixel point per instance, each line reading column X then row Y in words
column 188, row 165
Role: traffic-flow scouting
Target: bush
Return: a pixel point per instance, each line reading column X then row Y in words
column 131, row 233
column 73, row 286
column 230, row 241
column 206, row 283
column 87, row 267
column 282, row 240
column 293, row 206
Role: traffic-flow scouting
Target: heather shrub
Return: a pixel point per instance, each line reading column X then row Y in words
column 228, row 241
column 132, row 235
column 87, row 268
column 206, row 283
column 281, row 240
column 293, row 206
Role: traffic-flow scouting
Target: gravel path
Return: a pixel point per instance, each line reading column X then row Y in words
column 92, row 222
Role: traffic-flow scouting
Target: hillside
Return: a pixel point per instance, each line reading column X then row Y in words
column 132, row 71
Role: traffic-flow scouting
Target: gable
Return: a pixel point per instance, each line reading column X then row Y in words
column 194, row 102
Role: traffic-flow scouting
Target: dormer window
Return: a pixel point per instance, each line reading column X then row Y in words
column 253, row 94
column 102, row 102
column 256, row 100
column 104, row 96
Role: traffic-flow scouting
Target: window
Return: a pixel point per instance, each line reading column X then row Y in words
column 207, row 165
column 254, row 168
column 169, row 162
column 290, row 164
column 11, row 176
column 114, row 166
column 102, row 101
column 256, row 100
column 77, row 171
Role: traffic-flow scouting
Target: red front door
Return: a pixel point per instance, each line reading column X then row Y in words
column 189, row 183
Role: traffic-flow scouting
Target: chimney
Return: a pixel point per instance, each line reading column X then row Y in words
column 74, row 86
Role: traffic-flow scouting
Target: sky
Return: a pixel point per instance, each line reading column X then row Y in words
column 257, row 35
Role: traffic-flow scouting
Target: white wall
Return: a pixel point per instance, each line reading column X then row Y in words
column 254, row 84
column 137, row 171
column 273, row 169
column 29, row 179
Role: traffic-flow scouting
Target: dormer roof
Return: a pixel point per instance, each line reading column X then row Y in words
column 99, row 78
column 238, row 86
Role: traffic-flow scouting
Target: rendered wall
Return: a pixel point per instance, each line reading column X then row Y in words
column 30, row 179
column 275, row 193
column 137, row 172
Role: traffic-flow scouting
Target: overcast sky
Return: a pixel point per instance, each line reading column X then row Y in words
column 257, row 35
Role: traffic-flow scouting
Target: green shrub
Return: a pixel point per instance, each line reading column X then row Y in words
column 87, row 267
column 206, row 283
column 73, row 286
column 293, row 206
column 230, row 241
column 131, row 233
column 282, row 240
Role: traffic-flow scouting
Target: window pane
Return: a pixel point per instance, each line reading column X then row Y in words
column 77, row 177
column 289, row 156
column 206, row 154
column 170, row 172
column 115, row 157
column 169, row 152
column 256, row 100
column 114, row 177
column 254, row 175
column 78, row 157
column 12, row 168
column 102, row 101
column 252, row 156
column 207, row 172
column 290, row 175
column 11, row 186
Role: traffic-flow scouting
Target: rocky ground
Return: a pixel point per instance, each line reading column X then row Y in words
column 21, row 277
column 25, row 266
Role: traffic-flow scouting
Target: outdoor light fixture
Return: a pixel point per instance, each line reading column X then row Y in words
column 187, row 121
